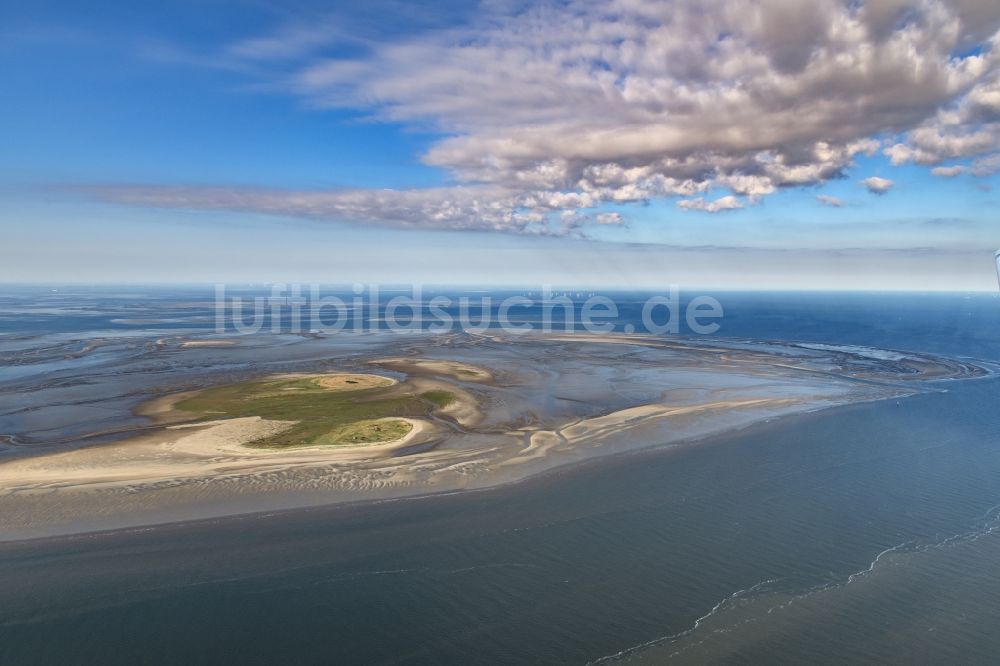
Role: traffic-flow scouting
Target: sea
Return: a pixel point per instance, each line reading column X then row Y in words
column 864, row 534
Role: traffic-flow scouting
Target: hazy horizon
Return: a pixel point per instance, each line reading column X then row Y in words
column 719, row 144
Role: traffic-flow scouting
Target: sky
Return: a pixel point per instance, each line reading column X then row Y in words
column 740, row 144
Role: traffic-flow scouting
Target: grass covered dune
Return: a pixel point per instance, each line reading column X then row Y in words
column 338, row 409
column 527, row 405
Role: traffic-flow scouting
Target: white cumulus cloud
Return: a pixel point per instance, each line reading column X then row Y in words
column 728, row 202
column 568, row 106
column 948, row 171
column 877, row 185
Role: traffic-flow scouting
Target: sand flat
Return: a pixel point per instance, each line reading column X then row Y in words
column 428, row 366
column 545, row 409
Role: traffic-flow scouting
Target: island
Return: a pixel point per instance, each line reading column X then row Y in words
column 380, row 418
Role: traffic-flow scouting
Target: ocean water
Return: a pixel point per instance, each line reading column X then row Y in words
column 864, row 534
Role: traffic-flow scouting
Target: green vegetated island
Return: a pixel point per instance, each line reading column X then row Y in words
column 337, row 409
column 495, row 410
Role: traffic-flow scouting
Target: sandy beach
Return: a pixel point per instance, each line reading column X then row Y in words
column 505, row 417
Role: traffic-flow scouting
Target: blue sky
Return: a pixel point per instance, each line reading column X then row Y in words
column 508, row 143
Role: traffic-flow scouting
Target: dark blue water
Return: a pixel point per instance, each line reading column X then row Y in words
column 862, row 534
column 945, row 323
